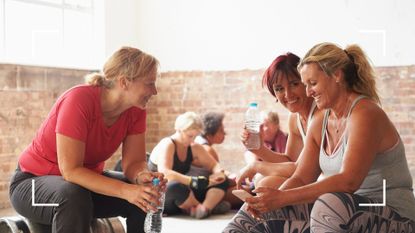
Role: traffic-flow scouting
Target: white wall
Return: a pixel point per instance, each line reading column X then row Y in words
column 239, row 34
column 121, row 24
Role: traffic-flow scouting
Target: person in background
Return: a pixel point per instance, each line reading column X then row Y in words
column 214, row 133
column 199, row 196
column 85, row 127
column 353, row 144
column 274, row 138
column 284, row 83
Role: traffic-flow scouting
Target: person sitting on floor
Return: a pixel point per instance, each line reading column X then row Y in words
column 214, row 133
column 198, row 196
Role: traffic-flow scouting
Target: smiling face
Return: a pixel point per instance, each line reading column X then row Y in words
column 319, row 85
column 291, row 93
column 142, row 89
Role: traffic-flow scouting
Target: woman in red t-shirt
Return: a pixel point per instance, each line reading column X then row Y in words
column 84, row 128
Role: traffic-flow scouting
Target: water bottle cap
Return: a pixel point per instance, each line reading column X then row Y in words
column 156, row 181
column 253, row 104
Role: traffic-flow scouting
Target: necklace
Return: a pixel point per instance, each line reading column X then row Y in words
column 339, row 126
column 339, row 123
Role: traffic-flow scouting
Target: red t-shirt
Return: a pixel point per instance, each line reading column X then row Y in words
column 77, row 114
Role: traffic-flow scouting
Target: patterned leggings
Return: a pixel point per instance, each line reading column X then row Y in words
column 332, row 212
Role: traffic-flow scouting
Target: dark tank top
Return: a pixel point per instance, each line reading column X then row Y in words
column 179, row 166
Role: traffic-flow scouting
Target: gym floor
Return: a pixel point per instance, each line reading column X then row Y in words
column 182, row 223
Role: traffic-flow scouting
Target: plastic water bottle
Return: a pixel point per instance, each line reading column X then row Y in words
column 252, row 123
column 153, row 221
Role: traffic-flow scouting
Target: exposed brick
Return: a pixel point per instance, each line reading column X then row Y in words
column 28, row 93
column 8, row 77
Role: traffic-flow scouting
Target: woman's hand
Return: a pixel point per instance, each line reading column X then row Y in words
column 246, row 175
column 216, row 178
column 146, row 177
column 267, row 199
column 148, row 199
column 145, row 196
column 245, row 135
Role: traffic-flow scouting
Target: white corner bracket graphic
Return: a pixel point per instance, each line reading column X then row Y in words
column 378, row 204
column 39, row 204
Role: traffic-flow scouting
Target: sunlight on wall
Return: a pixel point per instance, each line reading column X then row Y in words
column 239, row 34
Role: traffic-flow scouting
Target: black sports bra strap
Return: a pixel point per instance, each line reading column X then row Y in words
column 173, row 142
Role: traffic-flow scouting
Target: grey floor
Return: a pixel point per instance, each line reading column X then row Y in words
column 186, row 224
column 182, row 223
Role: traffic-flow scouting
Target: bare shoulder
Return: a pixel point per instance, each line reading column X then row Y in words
column 165, row 142
column 318, row 113
column 367, row 110
column 197, row 147
column 292, row 124
column 165, row 145
column 316, row 125
column 208, row 148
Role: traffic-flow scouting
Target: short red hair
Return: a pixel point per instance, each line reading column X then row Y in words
column 283, row 65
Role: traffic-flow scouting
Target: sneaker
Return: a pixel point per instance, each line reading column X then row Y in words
column 201, row 212
column 221, row 208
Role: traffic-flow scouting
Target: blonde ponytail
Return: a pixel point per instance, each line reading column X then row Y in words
column 98, row 79
column 129, row 62
column 358, row 72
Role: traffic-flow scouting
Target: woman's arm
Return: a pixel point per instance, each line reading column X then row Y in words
column 211, row 152
column 70, row 159
column 295, row 142
column 202, row 158
column 134, row 157
column 164, row 152
column 363, row 142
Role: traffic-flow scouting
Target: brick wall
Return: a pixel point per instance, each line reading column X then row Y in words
column 27, row 93
column 231, row 92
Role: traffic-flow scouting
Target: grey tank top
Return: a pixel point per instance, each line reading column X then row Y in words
column 390, row 165
column 310, row 117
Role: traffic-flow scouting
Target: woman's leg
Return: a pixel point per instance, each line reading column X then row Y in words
column 107, row 206
column 288, row 219
column 74, row 213
column 340, row 212
column 178, row 197
column 271, row 181
column 213, row 197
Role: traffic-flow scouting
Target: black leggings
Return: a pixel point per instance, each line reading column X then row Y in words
column 177, row 193
column 332, row 212
column 77, row 205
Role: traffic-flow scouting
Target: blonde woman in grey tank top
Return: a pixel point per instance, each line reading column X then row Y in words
column 354, row 145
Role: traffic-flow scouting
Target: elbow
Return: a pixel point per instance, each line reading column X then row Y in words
column 350, row 184
column 68, row 174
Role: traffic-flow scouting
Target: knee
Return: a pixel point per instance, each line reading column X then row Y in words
column 324, row 202
column 329, row 209
column 271, row 181
column 177, row 191
column 75, row 198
